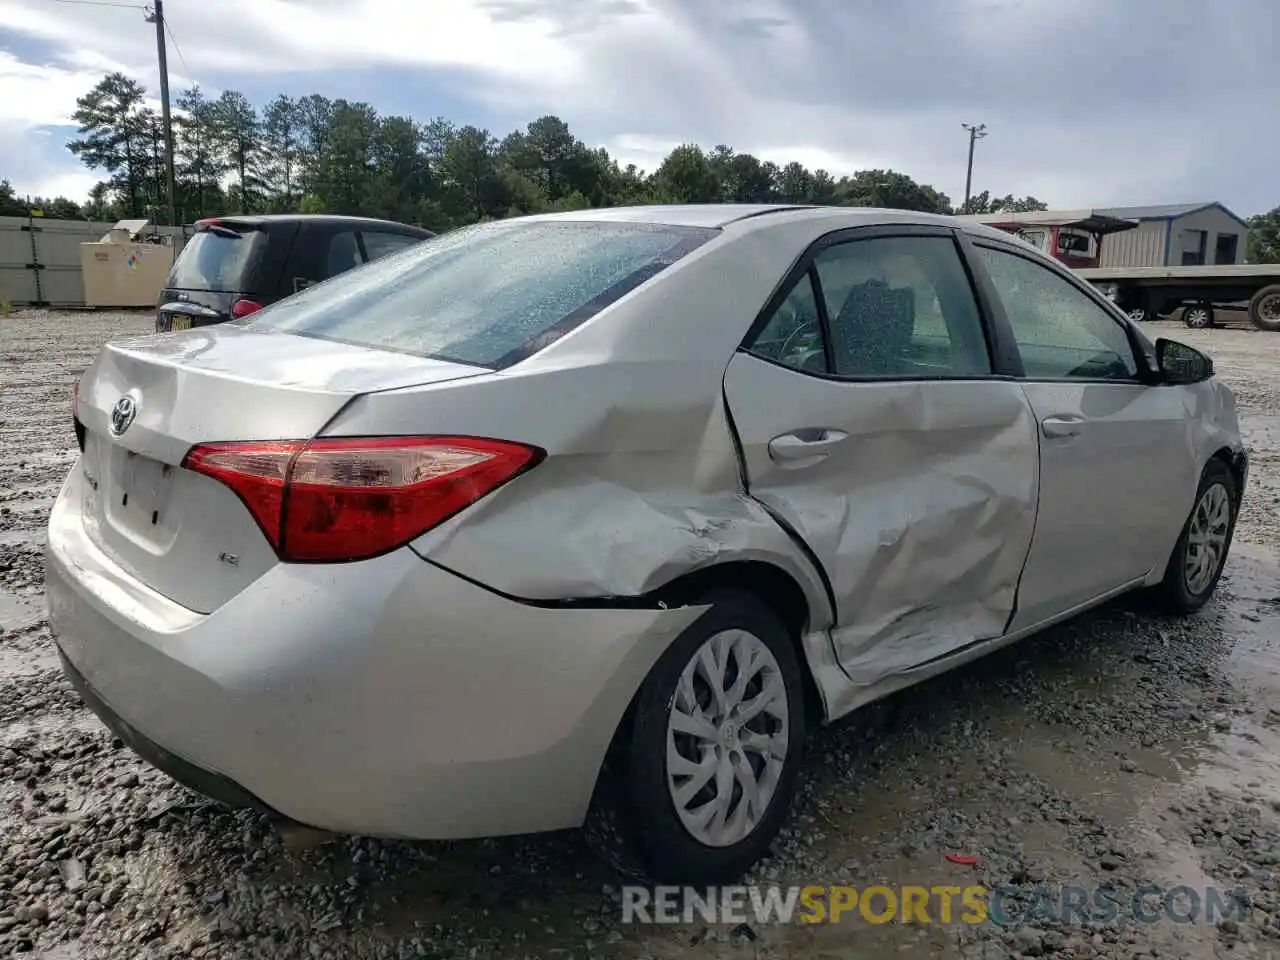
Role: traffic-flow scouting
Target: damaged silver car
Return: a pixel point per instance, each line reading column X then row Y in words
column 586, row 519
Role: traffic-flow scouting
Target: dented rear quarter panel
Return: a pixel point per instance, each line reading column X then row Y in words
column 635, row 491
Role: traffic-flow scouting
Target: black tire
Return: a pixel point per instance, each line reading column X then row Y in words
column 1173, row 594
column 632, row 822
column 1264, row 308
column 1199, row 316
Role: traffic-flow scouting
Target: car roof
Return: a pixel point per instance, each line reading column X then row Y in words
column 754, row 216
column 673, row 214
column 266, row 218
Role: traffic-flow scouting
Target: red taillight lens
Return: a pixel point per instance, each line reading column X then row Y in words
column 341, row 499
column 242, row 308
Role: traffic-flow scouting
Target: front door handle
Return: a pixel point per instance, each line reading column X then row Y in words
column 1066, row 425
column 805, row 446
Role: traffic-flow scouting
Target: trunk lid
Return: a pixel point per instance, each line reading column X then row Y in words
column 187, row 536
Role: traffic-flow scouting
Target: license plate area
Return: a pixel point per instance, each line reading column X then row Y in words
column 134, row 493
column 179, row 321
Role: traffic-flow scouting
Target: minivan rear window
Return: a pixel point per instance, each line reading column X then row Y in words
column 488, row 295
column 217, row 258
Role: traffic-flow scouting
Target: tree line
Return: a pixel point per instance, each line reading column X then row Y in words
column 314, row 154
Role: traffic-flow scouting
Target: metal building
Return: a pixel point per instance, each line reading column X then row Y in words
column 1175, row 235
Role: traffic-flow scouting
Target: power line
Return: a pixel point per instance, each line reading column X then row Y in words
column 177, row 49
column 103, row 3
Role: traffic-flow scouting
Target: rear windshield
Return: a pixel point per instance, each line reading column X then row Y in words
column 217, row 259
column 489, row 295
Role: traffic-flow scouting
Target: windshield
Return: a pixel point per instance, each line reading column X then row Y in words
column 217, row 259
column 488, row 295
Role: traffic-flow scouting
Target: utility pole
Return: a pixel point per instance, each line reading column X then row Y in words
column 976, row 133
column 157, row 17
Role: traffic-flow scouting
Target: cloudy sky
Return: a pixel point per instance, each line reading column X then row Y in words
column 1088, row 102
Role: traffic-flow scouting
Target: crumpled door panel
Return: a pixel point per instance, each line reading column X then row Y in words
column 922, row 516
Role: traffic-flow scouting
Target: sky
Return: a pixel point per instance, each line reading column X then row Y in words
column 1086, row 102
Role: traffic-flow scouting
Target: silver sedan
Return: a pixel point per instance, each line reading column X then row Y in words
column 585, row 519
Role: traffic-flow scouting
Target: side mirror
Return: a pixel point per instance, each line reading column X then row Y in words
column 1181, row 364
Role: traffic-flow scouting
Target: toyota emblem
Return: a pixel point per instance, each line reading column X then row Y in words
column 122, row 415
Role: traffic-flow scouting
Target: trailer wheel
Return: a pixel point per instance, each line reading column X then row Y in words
column 1264, row 308
column 1199, row 315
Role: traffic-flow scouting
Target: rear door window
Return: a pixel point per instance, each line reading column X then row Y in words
column 379, row 243
column 308, row 259
column 321, row 250
column 219, row 257
column 488, row 295
column 344, row 252
column 891, row 307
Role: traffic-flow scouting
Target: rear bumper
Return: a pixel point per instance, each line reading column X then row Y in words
column 188, row 774
column 387, row 697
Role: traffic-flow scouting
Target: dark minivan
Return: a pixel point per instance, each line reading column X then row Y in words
column 235, row 265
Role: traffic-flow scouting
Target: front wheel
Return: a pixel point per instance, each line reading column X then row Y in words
column 1201, row 551
column 701, row 776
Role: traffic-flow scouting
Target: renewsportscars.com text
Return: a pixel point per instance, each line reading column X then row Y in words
column 942, row 904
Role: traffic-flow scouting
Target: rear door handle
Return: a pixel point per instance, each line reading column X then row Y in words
column 1066, row 425
column 805, row 446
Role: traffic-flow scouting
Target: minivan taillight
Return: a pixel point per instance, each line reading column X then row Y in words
column 242, row 308
column 337, row 499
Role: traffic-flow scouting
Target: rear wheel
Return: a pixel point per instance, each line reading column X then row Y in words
column 701, row 775
column 1198, row 316
column 1135, row 307
column 1201, row 551
column 1264, row 308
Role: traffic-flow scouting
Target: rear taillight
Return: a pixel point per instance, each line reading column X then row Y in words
column 341, row 499
column 242, row 308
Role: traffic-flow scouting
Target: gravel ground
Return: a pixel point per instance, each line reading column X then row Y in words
column 1118, row 750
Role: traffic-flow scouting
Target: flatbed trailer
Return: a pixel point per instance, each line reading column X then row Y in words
column 1145, row 293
